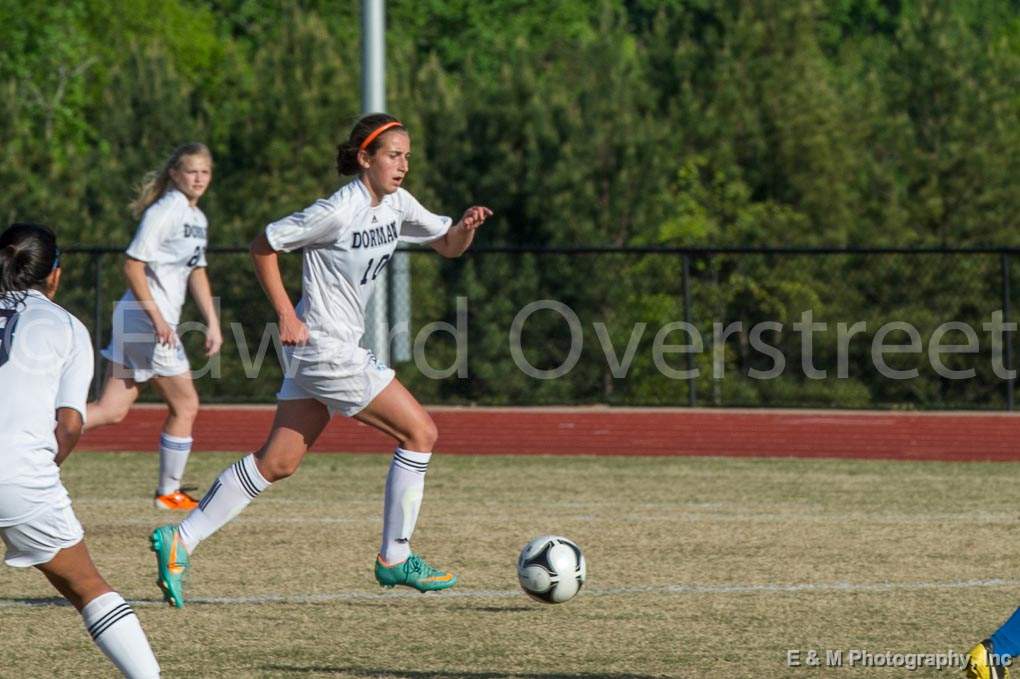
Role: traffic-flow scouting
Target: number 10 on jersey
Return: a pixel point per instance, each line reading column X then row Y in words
column 376, row 271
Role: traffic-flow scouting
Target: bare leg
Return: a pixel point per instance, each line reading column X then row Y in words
column 181, row 398
column 175, row 441
column 116, row 399
column 74, row 575
column 111, row 623
column 296, row 427
column 397, row 413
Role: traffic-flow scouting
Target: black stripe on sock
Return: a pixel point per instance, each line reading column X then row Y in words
column 251, row 480
column 124, row 614
column 410, row 464
column 242, row 478
column 106, row 615
column 414, row 470
column 174, row 446
column 408, row 460
column 400, row 465
column 111, row 617
column 209, row 494
column 246, row 483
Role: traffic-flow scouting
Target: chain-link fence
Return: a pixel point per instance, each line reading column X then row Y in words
column 888, row 328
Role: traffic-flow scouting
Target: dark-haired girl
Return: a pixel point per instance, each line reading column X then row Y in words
column 346, row 240
column 45, row 371
column 165, row 259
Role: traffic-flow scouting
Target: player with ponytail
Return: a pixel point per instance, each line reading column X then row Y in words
column 165, row 259
column 27, row 260
column 345, row 241
column 46, row 368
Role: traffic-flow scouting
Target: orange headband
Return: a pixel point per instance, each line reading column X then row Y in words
column 379, row 130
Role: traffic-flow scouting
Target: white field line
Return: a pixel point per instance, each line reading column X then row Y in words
column 693, row 589
column 239, row 521
column 854, row 518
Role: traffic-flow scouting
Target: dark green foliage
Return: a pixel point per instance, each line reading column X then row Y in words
column 618, row 122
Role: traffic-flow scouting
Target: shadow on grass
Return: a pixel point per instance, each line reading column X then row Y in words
column 34, row 601
column 41, row 601
column 60, row 601
column 446, row 674
column 496, row 609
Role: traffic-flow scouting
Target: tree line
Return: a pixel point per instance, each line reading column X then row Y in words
column 618, row 123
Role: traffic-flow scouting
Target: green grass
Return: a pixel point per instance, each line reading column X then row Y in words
column 730, row 530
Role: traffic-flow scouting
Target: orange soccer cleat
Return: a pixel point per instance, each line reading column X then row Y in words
column 177, row 500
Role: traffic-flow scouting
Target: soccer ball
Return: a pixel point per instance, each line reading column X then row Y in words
column 551, row 569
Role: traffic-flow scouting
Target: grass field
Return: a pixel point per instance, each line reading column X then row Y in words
column 697, row 567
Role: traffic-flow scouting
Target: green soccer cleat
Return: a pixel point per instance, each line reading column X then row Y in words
column 171, row 563
column 413, row 572
column 983, row 663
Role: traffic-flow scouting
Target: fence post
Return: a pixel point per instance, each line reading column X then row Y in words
column 692, row 383
column 97, row 322
column 1006, row 340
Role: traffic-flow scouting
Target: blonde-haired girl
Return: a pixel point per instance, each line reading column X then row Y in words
column 165, row 259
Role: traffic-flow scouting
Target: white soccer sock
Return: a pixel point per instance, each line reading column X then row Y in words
column 237, row 485
column 405, row 485
column 116, row 630
column 173, row 458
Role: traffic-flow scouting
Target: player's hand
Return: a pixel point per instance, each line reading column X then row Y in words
column 213, row 341
column 164, row 333
column 292, row 330
column 474, row 216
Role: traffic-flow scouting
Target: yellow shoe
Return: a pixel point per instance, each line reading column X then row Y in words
column 177, row 500
column 983, row 663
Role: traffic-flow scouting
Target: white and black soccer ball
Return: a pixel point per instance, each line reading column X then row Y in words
column 551, row 569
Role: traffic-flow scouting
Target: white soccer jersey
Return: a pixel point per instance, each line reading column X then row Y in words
column 45, row 363
column 171, row 240
column 346, row 243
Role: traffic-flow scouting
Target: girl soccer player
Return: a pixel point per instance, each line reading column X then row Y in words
column 46, row 367
column 346, row 240
column 166, row 257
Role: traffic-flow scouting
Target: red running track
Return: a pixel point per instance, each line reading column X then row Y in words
column 620, row 431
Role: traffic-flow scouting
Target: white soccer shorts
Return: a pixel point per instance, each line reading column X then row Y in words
column 137, row 355
column 345, row 387
column 38, row 540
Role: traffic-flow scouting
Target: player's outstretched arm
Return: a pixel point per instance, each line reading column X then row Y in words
column 458, row 239
column 68, row 431
column 267, row 270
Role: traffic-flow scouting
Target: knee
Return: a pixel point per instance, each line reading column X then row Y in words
column 276, row 468
column 105, row 412
column 185, row 408
column 422, row 437
column 118, row 413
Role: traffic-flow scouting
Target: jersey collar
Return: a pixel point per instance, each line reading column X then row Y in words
column 385, row 200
